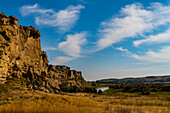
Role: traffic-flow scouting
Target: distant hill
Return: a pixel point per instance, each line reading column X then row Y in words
column 148, row 79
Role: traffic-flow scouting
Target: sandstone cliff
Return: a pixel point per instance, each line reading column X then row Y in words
column 21, row 57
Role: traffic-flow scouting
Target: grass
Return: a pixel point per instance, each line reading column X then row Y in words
column 39, row 102
column 17, row 99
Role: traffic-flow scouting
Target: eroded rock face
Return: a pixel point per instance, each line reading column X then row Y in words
column 21, row 56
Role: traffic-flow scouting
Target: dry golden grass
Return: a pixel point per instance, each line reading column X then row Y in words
column 38, row 102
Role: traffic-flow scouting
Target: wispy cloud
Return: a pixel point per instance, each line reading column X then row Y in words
column 133, row 21
column 153, row 39
column 73, row 43
column 162, row 56
column 49, row 48
column 62, row 60
column 34, row 9
column 123, row 50
column 72, row 47
column 63, row 20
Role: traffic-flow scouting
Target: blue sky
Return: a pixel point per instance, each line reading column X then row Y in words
column 103, row 39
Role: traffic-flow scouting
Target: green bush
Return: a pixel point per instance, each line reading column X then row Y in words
column 73, row 89
column 100, row 91
column 145, row 93
column 94, row 83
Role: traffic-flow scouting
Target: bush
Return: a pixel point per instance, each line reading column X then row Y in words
column 90, row 90
column 145, row 93
column 94, row 84
column 73, row 89
column 143, row 88
column 100, row 91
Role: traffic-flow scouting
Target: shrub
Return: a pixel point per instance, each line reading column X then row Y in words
column 73, row 89
column 145, row 93
column 100, row 91
column 90, row 90
column 93, row 83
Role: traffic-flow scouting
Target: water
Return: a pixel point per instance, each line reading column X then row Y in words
column 102, row 88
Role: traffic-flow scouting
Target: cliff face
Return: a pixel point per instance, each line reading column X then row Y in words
column 21, row 57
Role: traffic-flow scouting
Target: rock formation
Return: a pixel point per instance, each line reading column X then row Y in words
column 21, row 57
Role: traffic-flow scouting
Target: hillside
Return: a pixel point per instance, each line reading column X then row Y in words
column 148, row 79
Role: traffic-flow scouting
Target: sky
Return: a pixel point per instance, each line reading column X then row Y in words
column 101, row 38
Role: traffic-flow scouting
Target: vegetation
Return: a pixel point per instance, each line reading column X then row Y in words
column 38, row 102
column 9, row 85
column 94, row 84
column 75, row 88
column 100, row 91
column 142, row 88
column 119, row 98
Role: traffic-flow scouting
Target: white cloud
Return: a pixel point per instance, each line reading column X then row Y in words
column 162, row 56
column 73, row 43
column 49, row 48
column 62, row 60
column 71, row 47
column 152, row 39
column 134, row 20
column 161, row 14
column 29, row 9
column 63, row 20
column 121, row 49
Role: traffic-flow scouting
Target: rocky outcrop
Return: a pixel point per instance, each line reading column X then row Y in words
column 21, row 57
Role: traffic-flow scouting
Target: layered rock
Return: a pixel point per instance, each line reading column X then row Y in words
column 21, row 57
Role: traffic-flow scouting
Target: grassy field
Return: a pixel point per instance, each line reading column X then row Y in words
column 21, row 101
column 18, row 99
